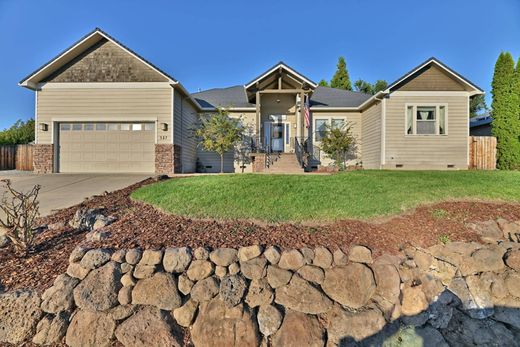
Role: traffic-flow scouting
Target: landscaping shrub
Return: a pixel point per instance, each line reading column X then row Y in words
column 21, row 210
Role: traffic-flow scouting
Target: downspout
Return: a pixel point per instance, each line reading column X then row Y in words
column 382, row 158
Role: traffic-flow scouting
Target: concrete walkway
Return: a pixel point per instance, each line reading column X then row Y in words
column 64, row 190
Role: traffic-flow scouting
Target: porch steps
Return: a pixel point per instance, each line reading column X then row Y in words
column 284, row 163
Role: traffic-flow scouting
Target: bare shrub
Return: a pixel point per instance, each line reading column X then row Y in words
column 20, row 210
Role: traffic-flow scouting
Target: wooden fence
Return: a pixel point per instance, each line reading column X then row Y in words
column 16, row 157
column 482, row 152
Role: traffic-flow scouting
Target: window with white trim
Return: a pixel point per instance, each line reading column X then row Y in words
column 426, row 119
column 322, row 124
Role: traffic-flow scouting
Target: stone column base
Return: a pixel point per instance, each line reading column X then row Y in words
column 167, row 159
column 43, row 159
column 258, row 162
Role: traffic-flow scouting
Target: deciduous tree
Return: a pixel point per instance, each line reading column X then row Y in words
column 337, row 142
column 219, row 133
column 19, row 133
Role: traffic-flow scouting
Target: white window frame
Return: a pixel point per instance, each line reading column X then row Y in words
column 329, row 123
column 414, row 118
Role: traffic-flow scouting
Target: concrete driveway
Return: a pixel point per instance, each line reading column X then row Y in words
column 64, row 190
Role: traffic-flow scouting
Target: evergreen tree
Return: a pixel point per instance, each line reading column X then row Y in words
column 341, row 79
column 505, row 106
column 515, row 117
column 323, row 83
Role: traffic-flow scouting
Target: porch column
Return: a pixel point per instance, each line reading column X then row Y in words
column 298, row 118
column 258, row 118
column 302, row 113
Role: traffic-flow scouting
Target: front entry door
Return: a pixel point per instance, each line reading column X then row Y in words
column 277, row 136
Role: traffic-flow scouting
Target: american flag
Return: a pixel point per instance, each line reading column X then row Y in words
column 307, row 113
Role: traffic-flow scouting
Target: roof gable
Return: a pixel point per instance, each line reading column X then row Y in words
column 278, row 70
column 71, row 55
column 433, row 75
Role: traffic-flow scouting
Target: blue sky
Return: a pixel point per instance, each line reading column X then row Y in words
column 207, row 44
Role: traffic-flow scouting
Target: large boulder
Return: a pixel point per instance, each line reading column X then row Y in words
column 343, row 325
column 51, row 329
column 259, row 293
column 176, row 260
column 291, row 260
column 272, row 254
column 249, row 252
column 159, row 290
column 476, row 302
column 90, row 329
column 223, row 256
column 151, row 257
column 513, row 260
column 219, row 325
column 232, row 289
column 98, row 291
column 60, row 296
column 360, row 254
column 299, row 329
column 200, row 269
column 278, row 277
column 388, row 282
column 19, row 315
column 205, row 290
column 352, row 285
column 85, row 218
column 269, row 319
column 312, row 273
column 299, row 295
column 185, row 314
column 322, row 257
column 150, row 327
column 413, row 301
column 95, row 258
column 254, row 269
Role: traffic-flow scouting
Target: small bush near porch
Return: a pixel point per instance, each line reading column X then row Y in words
column 358, row 194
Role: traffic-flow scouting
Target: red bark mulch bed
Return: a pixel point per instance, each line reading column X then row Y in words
column 140, row 225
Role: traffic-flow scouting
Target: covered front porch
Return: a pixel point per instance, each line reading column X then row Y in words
column 280, row 96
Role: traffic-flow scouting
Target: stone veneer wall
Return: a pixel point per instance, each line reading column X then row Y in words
column 458, row 293
column 168, row 159
column 43, row 158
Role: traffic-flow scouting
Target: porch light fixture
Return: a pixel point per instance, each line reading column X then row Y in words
column 44, row 126
column 164, row 126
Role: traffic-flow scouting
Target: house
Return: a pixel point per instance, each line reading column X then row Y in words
column 101, row 107
column 481, row 125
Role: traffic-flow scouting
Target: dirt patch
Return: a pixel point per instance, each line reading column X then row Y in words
column 140, row 225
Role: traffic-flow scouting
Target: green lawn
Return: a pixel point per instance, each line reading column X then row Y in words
column 358, row 194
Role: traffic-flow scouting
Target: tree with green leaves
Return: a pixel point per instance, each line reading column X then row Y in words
column 323, row 83
column 337, row 143
column 219, row 133
column 18, row 134
column 505, row 111
column 341, row 79
column 477, row 104
column 380, row 85
column 364, row 87
column 369, row 88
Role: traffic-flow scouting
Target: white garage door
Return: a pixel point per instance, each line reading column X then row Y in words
column 107, row 147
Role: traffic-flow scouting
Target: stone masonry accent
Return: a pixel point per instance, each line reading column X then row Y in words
column 43, row 159
column 164, row 159
column 454, row 294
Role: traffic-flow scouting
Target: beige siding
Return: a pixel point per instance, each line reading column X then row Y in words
column 353, row 119
column 104, row 104
column 371, row 137
column 433, row 78
column 210, row 161
column 184, row 121
column 427, row 151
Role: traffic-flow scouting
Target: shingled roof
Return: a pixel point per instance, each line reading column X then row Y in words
column 236, row 96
